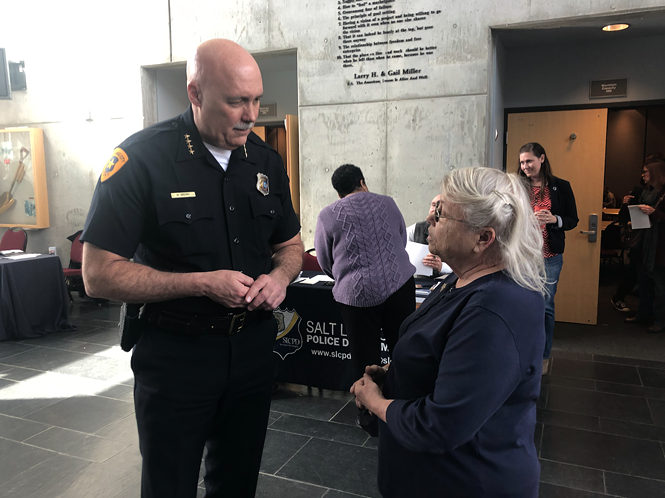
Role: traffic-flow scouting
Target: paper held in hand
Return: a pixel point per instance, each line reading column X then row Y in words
column 416, row 254
column 638, row 219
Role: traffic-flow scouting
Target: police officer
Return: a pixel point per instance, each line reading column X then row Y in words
column 203, row 206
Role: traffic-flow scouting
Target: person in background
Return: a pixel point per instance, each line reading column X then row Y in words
column 213, row 251
column 553, row 202
column 609, row 201
column 457, row 404
column 651, row 279
column 360, row 242
column 418, row 233
column 633, row 239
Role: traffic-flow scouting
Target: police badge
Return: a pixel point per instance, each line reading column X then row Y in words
column 288, row 340
column 262, row 183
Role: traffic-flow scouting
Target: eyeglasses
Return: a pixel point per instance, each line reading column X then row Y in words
column 437, row 215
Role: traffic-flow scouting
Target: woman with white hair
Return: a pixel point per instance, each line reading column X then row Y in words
column 457, row 405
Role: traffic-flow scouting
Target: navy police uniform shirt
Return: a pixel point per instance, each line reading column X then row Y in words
column 163, row 199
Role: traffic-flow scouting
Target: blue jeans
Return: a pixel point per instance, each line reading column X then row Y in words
column 552, row 271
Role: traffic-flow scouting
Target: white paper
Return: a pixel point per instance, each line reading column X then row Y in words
column 23, row 256
column 416, row 254
column 316, row 279
column 638, row 219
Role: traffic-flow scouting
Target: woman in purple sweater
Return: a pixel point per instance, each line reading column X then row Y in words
column 360, row 242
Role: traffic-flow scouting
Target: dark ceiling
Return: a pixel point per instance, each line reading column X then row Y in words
column 588, row 29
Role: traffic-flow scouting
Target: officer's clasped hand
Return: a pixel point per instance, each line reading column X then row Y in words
column 266, row 293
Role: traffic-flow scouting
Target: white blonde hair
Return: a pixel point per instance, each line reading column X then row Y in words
column 491, row 198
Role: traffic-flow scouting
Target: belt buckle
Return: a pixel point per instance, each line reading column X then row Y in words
column 240, row 318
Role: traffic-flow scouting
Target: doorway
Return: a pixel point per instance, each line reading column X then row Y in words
column 575, row 145
column 592, row 149
column 548, row 69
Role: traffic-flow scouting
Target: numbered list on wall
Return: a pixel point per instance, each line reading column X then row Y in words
column 374, row 31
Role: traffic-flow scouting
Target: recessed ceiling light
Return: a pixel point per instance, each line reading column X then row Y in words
column 616, row 27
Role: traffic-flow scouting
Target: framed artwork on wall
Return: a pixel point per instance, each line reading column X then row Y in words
column 23, row 196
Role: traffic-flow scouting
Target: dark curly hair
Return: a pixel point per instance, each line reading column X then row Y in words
column 346, row 179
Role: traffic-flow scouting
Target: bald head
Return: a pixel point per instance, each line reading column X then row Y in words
column 218, row 58
column 224, row 86
column 432, row 205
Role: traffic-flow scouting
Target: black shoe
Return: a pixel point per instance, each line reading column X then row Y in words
column 619, row 305
column 656, row 329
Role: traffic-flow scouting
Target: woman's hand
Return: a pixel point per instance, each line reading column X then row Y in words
column 368, row 395
column 627, row 198
column 545, row 217
column 433, row 261
column 377, row 373
column 648, row 210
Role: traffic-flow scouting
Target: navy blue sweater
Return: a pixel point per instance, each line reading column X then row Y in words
column 465, row 378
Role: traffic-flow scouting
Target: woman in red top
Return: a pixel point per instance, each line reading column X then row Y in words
column 553, row 202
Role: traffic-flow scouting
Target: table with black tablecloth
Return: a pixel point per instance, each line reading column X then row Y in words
column 311, row 344
column 33, row 297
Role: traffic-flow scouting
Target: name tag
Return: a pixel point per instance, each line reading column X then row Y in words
column 179, row 195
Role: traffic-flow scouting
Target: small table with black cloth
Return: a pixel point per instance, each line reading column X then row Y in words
column 33, row 297
column 312, row 347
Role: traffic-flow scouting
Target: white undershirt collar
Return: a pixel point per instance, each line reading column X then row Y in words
column 221, row 155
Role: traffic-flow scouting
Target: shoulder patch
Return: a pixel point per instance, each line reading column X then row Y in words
column 117, row 160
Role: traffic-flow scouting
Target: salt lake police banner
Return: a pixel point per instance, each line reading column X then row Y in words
column 312, row 346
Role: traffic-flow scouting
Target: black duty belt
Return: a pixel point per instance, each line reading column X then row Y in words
column 227, row 325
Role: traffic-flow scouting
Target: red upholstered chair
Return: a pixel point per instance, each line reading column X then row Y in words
column 74, row 274
column 309, row 261
column 14, row 238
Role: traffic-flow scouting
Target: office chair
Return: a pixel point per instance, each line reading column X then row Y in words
column 309, row 261
column 74, row 273
column 14, row 238
column 611, row 245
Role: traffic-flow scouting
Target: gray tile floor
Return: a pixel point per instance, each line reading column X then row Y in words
column 67, row 426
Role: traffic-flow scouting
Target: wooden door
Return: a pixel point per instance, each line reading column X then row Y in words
column 293, row 159
column 286, row 142
column 581, row 161
column 260, row 131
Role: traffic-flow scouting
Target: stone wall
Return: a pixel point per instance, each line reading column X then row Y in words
column 83, row 70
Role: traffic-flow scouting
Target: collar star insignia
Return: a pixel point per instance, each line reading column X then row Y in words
column 189, row 143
